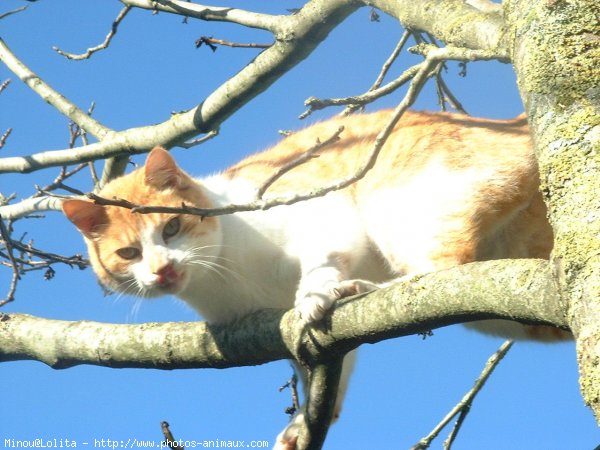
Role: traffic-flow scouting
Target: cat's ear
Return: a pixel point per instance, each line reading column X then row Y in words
column 87, row 216
column 161, row 171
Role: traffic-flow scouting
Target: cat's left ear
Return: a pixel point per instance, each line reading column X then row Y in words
column 161, row 171
column 87, row 216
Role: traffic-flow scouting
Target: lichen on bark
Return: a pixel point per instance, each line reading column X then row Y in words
column 556, row 52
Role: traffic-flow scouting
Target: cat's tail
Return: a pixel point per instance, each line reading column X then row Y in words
column 517, row 331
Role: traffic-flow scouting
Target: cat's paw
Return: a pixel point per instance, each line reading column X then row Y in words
column 313, row 304
column 286, row 440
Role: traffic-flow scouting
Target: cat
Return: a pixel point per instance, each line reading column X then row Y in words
column 447, row 189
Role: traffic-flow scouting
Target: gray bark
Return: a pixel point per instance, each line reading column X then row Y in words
column 556, row 54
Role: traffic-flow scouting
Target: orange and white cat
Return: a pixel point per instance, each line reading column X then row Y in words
column 447, row 189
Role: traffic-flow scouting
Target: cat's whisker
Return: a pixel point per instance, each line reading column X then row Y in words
column 210, row 266
column 135, row 309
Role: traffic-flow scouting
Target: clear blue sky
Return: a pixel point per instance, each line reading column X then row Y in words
column 401, row 388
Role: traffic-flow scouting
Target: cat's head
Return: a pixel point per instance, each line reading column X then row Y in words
column 147, row 254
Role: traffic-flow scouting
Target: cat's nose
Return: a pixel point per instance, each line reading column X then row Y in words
column 166, row 275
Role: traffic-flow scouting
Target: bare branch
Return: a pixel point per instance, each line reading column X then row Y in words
column 5, row 235
column 30, row 206
column 4, row 137
column 485, row 31
column 511, row 289
column 446, row 95
column 384, row 69
column 432, row 54
column 14, row 11
column 463, row 406
column 51, row 96
column 267, row 67
column 4, row 84
column 307, row 155
column 202, row 140
column 292, row 384
column 416, row 84
column 322, row 392
column 170, row 441
column 213, row 42
column 210, row 13
column 103, row 45
column 315, row 104
column 393, row 56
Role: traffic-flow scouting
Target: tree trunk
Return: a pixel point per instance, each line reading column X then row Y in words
column 556, row 55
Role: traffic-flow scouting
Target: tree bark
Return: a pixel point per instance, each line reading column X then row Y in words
column 556, row 54
column 520, row 290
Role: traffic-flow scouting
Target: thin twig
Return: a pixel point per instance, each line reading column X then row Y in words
column 103, row 45
column 212, row 43
column 207, row 137
column 446, row 95
column 465, row 403
column 169, row 441
column 315, row 104
column 394, row 55
column 424, row 72
column 457, row 426
column 432, row 54
column 292, row 384
column 4, row 84
column 5, row 234
column 307, row 155
column 4, row 137
column 384, row 69
column 54, row 98
column 14, row 11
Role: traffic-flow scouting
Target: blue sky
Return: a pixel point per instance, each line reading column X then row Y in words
column 400, row 389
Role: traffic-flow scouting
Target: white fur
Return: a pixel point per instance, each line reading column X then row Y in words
column 307, row 253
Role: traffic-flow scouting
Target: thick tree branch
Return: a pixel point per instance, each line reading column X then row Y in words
column 452, row 21
column 210, row 13
column 296, row 37
column 522, row 290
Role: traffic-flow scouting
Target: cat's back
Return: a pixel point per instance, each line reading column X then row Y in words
column 420, row 138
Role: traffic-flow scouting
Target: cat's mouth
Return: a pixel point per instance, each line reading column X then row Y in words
column 169, row 279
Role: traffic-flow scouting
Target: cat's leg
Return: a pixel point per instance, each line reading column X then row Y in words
column 322, row 283
column 286, row 440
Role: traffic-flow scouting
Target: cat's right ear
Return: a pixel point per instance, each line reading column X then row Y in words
column 87, row 216
column 161, row 170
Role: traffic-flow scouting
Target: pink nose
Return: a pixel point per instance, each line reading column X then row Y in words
column 167, row 275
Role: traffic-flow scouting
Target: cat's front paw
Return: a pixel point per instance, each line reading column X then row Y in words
column 286, row 440
column 313, row 304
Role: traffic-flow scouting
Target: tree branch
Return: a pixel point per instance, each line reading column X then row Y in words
column 320, row 404
column 101, row 46
column 453, row 21
column 30, row 206
column 210, row 13
column 309, row 29
column 521, row 290
column 49, row 95
column 463, row 406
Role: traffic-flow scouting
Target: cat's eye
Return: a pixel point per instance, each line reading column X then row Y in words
column 171, row 228
column 129, row 252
